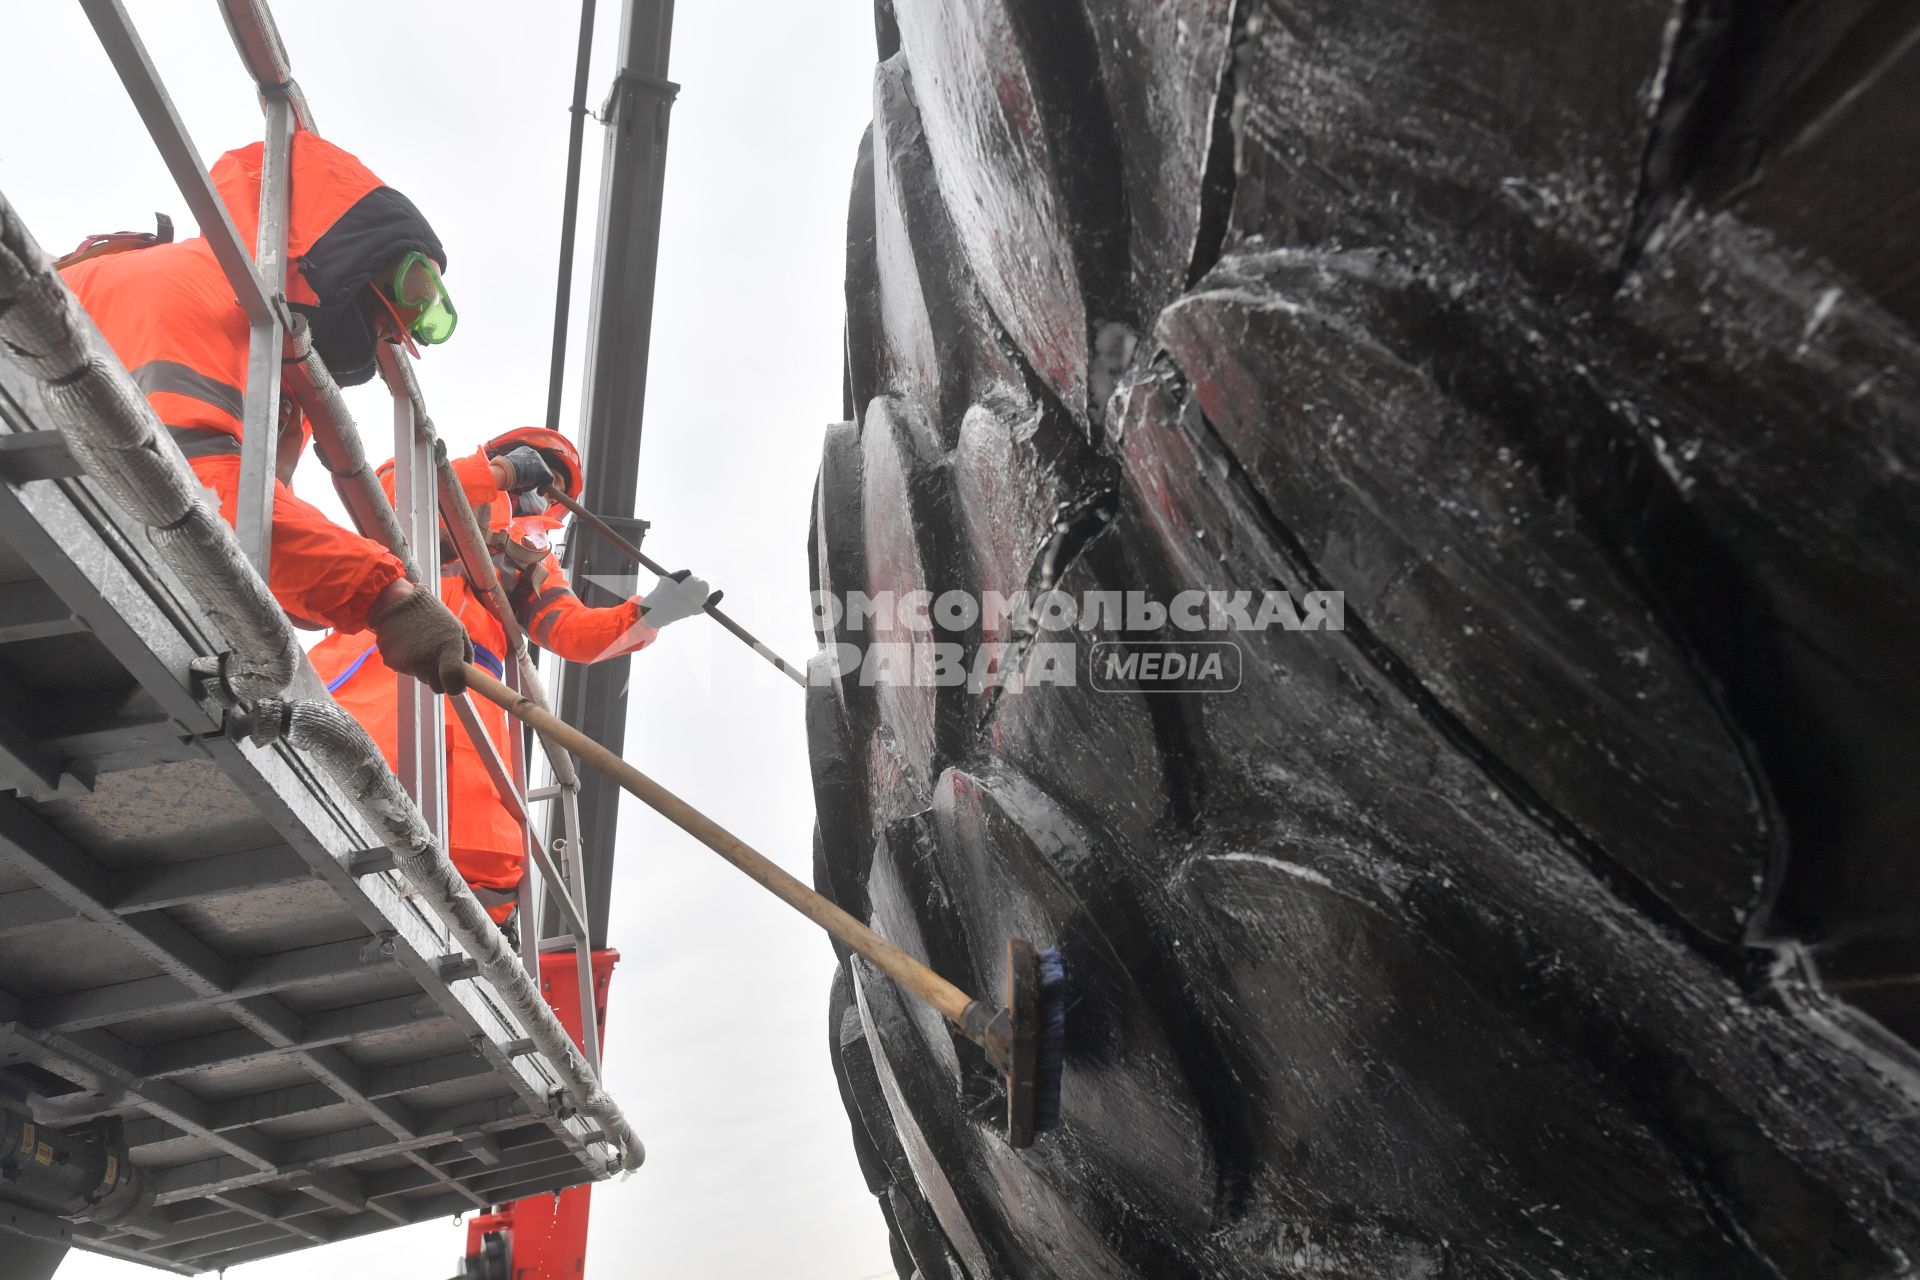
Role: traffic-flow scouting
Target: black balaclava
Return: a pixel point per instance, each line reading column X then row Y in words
column 382, row 227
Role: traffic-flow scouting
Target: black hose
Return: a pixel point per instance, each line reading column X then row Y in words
column 569, row 215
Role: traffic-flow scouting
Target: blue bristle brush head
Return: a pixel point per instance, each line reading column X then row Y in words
column 1051, row 1041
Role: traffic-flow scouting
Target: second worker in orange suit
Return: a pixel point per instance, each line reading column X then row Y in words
column 501, row 481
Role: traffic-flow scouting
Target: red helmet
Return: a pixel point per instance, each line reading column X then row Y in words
column 557, row 448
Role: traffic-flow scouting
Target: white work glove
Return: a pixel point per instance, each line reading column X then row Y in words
column 676, row 596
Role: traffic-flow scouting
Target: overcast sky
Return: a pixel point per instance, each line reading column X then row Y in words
column 717, row 1043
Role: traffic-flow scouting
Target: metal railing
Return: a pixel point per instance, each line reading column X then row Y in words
column 427, row 494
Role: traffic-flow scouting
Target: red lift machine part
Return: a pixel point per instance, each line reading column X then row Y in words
column 544, row 1237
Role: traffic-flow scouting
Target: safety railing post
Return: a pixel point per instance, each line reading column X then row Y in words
column 575, row 870
column 526, row 900
column 422, row 756
column 260, row 436
column 589, row 1007
column 529, row 883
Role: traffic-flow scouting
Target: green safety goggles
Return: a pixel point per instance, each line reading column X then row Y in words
column 418, row 299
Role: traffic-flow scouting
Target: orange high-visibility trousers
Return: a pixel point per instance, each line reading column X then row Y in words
column 484, row 837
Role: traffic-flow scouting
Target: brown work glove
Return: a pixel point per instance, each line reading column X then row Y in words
column 418, row 637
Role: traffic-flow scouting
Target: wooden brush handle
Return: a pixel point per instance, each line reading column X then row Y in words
column 950, row 1001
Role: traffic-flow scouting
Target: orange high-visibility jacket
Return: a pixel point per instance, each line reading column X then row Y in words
column 171, row 317
column 484, row 836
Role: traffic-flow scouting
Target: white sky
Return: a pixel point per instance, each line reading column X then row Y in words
column 718, row 1038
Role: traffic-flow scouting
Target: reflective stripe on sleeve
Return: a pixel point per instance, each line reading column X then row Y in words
column 204, row 442
column 184, row 380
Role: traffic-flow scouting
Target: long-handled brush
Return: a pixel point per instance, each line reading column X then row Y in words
column 1025, row 1040
column 553, row 494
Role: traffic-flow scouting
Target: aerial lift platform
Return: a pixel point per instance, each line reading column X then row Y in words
column 204, row 947
column 246, row 1004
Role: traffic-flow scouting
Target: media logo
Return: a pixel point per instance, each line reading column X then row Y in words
column 1165, row 666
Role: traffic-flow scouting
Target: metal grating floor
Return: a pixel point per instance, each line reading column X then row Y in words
column 199, row 935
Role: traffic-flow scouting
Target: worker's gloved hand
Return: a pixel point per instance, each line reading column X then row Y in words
column 676, row 596
column 418, row 637
column 526, row 469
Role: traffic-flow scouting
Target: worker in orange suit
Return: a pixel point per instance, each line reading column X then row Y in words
column 363, row 267
column 502, row 482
